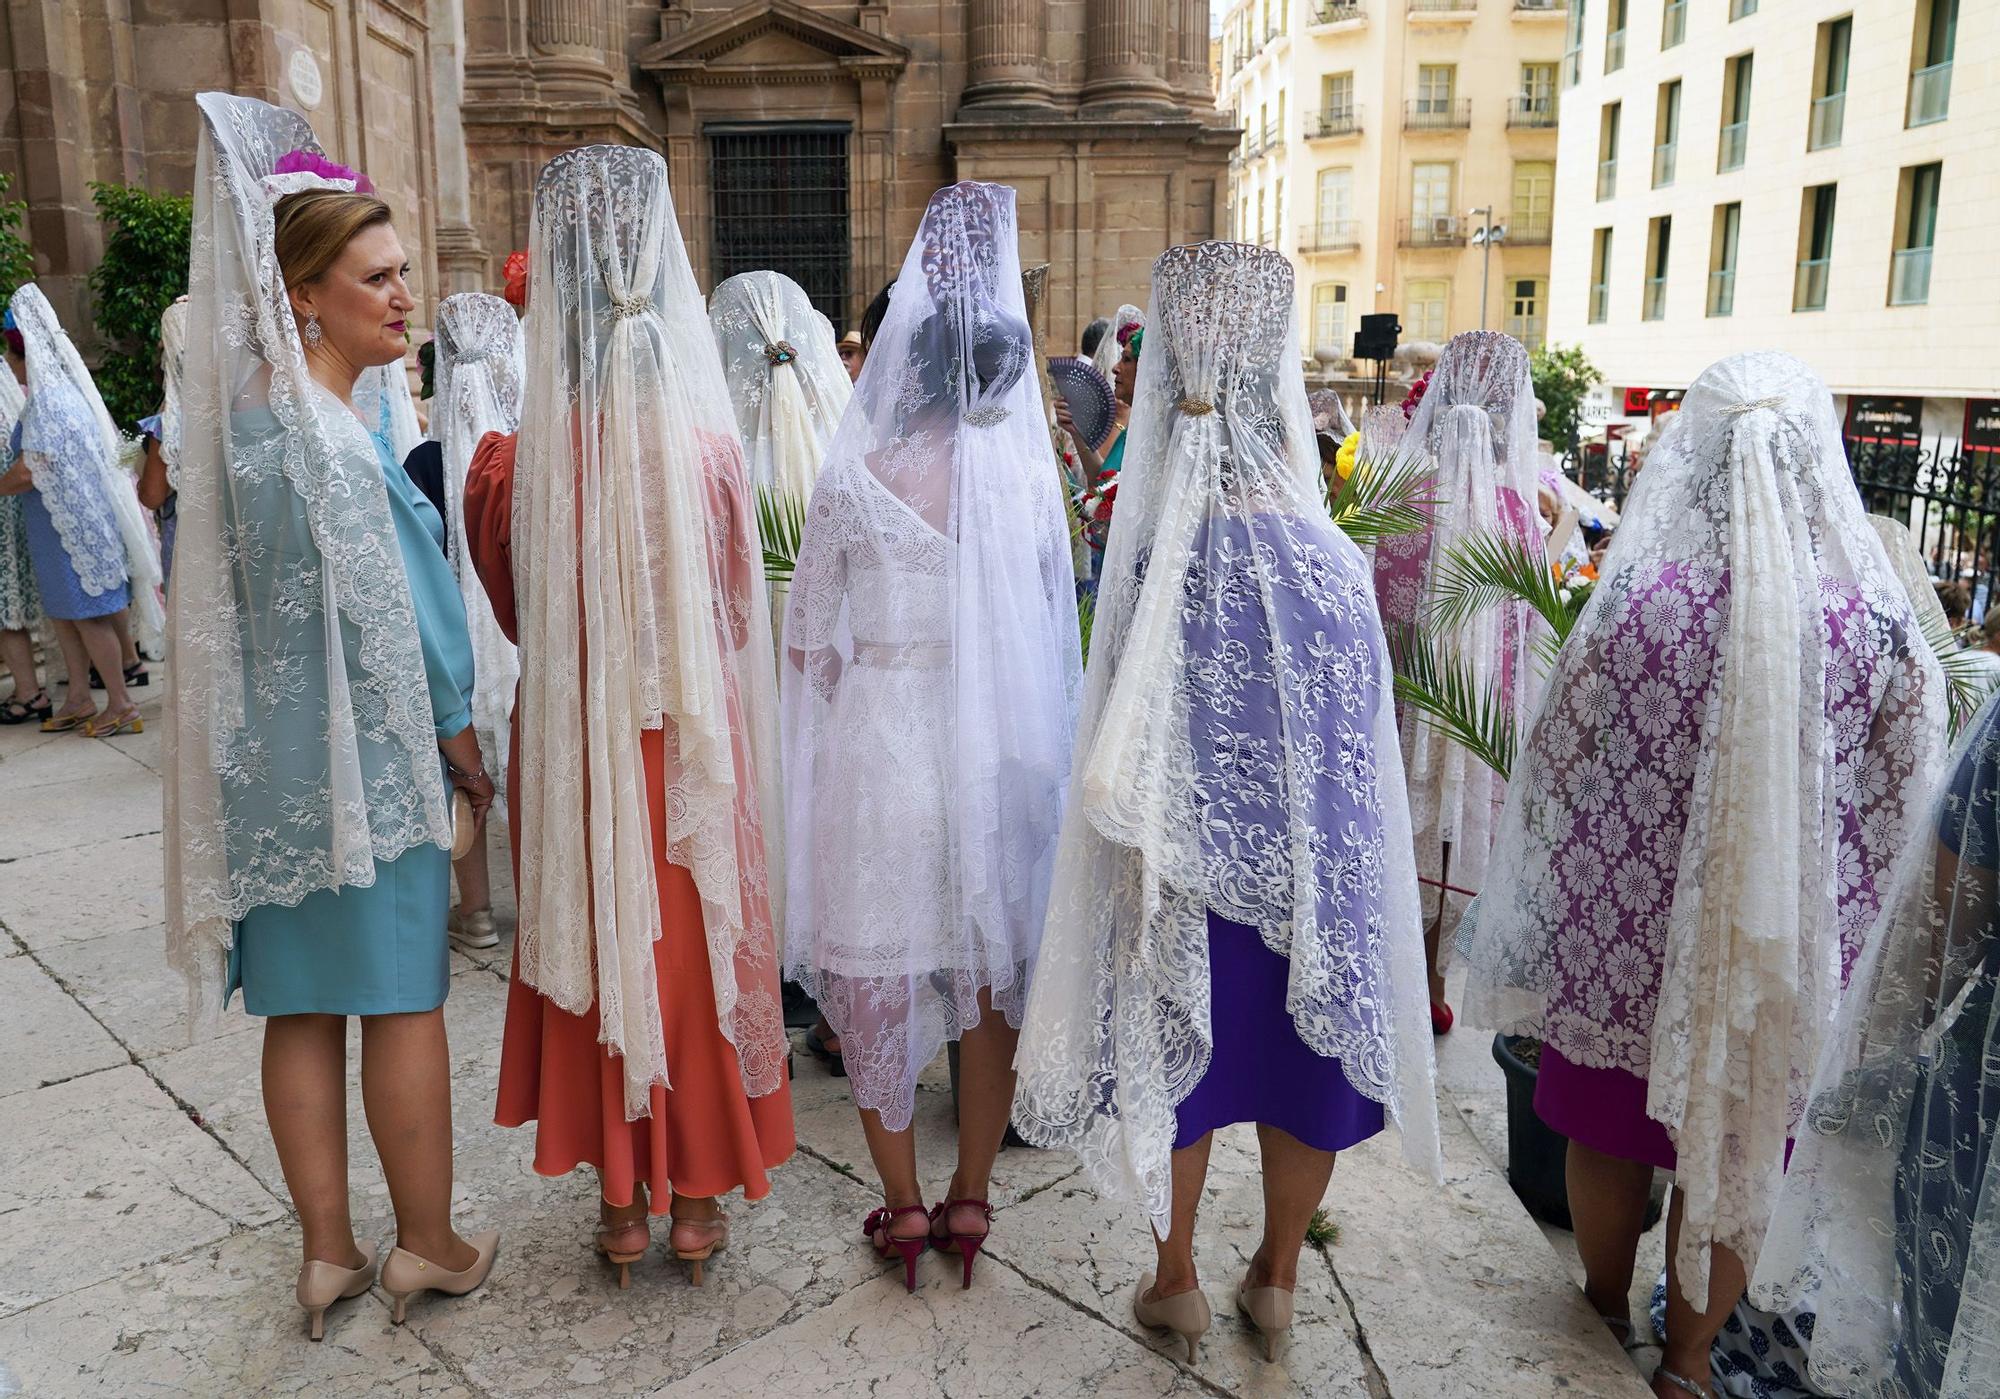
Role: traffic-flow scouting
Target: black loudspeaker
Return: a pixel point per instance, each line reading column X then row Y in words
column 1377, row 337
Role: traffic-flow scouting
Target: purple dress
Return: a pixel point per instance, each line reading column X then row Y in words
column 1623, row 741
column 1260, row 1070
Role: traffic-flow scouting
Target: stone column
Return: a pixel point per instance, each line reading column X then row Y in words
column 1124, row 59
column 1006, row 54
column 577, row 44
column 461, row 260
column 1193, row 83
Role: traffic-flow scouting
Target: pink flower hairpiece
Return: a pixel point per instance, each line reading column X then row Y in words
column 310, row 163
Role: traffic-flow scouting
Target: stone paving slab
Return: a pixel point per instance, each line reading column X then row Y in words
column 123, row 979
column 215, row 1321
column 46, row 1037
column 107, row 1173
column 86, row 891
column 89, row 812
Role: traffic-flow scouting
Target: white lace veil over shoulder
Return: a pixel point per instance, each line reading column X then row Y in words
column 931, row 667
column 66, row 425
column 641, row 601
column 300, row 748
column 1111, row 349
column 476, row 375
column 1330, row 414
column 1476, row 425
column 1236, row 754
column 784, row 375
column 1736, row 735
column 1888, row 1223
column 173, row 352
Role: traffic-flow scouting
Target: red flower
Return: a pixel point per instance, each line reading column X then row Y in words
column 1415, row 395
column 515, row 271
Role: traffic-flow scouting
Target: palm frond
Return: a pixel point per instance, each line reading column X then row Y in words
column 1442, row 689
column 1086, row 616
column 1964, row 683
column 1488, row 569
column 1383, row 498
column 781, row 524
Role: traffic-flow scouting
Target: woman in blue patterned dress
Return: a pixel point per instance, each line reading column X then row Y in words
column 20, row 599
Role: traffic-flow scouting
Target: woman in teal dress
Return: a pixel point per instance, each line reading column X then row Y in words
column 320, row 714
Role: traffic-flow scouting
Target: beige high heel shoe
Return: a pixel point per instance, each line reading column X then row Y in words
column 321, row 1284
column 405, row 1274
column 1185, row 1314
column 694, row 1241
column 1270, row 1311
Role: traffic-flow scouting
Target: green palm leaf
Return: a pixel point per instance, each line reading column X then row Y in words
column 781, row 524
column 1442, row 689
column 1488, row 569
column 1382, row 499
column 1965, row 687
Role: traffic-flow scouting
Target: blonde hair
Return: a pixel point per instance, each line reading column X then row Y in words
column 315, row 226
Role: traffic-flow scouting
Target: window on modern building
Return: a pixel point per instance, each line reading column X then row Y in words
column 1673, row 23
column 1334, row 214
column 1600, row 276
column 1930, row 61
column 1525, row 321
column 1572, row 60
column 1277, row 211
column 1815, row 248
column 1722, row 259
column 1436, row 85
column 1659, row 237
column 1336, row 96
column 1829, row 108
column 1277, row 133
column 1425, row 300
column 1741, row 9
column 1538, row 94
column 1666, row 133
column 1532, row 218
column 1263, row 228
column 1329, row 321
column 1735, row 141
column 1614, row 36
column 1916, row 234
column 1607, row 151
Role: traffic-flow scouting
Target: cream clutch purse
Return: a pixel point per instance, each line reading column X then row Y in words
column 464, row 825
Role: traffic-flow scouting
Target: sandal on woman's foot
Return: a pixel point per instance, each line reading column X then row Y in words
column 696, row 1240
column 61, row 722
column 20, row 711
column 967, row 1246
column 909, row 1249
column 1680, row 1382
column 137, row 674
column 624, row 1244
column 105, row 725
column 817, row 1046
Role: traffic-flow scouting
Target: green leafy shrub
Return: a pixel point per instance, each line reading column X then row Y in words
column 145, row 266
column 1562, row 376
column 17, row 263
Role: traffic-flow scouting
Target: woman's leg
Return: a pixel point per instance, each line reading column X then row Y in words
column 985, row 1101
column 1176, row 1252
column 1607, row 1205
column 475, row 881
column 406, row 1089
column 305, row 1101
column 128, row 649
column 76, row 665
column 17, row 653
column 100, row 640
column 1295, row 1177
column 1691, row 1333
column 1434, row 932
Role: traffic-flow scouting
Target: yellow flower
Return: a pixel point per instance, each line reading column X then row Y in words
column 1343, row 460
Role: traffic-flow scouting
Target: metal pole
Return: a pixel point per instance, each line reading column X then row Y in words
column 1485, row 258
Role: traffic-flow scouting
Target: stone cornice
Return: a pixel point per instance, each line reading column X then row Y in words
column 851, row 53
column 1038, row 126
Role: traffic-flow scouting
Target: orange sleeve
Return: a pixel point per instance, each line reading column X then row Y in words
column 489, row 524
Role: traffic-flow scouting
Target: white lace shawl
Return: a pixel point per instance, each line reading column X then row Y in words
column 476, row 374
column 642, row 606
column 20, row 600
column 173, row 351
column 92, row 452
column 1109, row 350
column 292, row 765
column 1237, row 754
column 785, row 378
column 931, row 667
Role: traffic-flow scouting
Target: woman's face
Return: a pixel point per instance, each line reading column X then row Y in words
column 363, row 301
column 852, row 356
column 1124, row 374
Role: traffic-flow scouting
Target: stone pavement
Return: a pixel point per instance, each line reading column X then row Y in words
column 147, row 1246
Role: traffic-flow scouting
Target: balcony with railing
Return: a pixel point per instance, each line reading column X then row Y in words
column 1448, row 8
column 1341, row 121
column 1614, row 50
column 1600, row 302
column 1330, row 236
column 1274, row 138
column 1829, row 115
column 1656, row 299
column 1437, row 113
column 1324, row 12
column 1530, row 230
column 1809, row 285
column 1930, row 94
column 1531, row 111
column 1735, row 142
column 1673, row 23
column 1540, row 7
column 1722, row 291
column 1663, row 164
column 1910, row 277
column 1432, row 231
column 1572, row 67
column 1607, row 178
column 1529, row 330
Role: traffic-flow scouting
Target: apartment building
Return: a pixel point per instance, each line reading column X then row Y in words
column 1403, row 154
column 1815, row 176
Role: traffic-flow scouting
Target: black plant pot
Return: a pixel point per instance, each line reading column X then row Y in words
column 1537, row 1154
column 1013, row 1138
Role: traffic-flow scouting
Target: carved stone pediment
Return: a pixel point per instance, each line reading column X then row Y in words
column 773, row 41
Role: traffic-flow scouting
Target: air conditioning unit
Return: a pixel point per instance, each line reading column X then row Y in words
column 1441, row 228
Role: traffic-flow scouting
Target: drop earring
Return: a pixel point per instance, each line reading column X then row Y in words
column 312, row 330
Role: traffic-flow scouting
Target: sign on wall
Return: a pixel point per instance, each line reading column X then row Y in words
column 1897, row 420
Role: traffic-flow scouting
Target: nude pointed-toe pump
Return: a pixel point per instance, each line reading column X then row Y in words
column 321, row 1284
column 1185, row 1314
column 405, row 1274
column 1270, row 1311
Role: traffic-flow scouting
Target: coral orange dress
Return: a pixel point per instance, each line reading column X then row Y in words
column 705, row 1135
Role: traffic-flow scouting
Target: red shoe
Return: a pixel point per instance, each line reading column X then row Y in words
column 910, row 1249
column 1441, row 1018
column 968, row 1245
